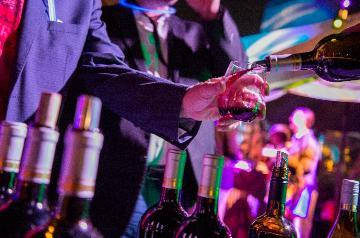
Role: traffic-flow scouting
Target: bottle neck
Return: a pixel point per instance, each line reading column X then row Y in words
column 307, row 61
column 7, row 180
column 169, row 195
column 348, row 218
column 31, row 192
column 291, row 62
column 277, row 197
column 206, row 206
column 73, row 209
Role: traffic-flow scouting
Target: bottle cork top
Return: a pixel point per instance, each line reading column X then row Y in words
column 281, row 159
column 87, row 115
column 350, row 192
column 48, row 110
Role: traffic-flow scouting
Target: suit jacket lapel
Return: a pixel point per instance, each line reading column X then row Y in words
column 33, row 16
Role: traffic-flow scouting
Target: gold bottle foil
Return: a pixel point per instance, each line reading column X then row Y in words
column 174, row 169
column 349, row 195
column 87, row 115
column 48, row 110
column 211, row 176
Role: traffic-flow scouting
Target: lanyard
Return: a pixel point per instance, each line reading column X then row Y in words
column 52, row 10
column 127, row 4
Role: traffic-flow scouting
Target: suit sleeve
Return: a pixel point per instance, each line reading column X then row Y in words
column 224, row 43
column 151, row 103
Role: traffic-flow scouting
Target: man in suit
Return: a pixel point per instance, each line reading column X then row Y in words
column 62, row 46
column 183, row 51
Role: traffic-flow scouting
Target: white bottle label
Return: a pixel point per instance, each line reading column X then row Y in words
column 38, row 155
column 12, row 138
column 80, row 163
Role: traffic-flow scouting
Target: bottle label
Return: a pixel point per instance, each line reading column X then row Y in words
column 12, row 138
column 211, row 177
column 38, row 155
column 174, row 169
column 80, row 163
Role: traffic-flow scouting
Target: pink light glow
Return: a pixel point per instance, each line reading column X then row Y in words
column 346, row 3
column 243, row 165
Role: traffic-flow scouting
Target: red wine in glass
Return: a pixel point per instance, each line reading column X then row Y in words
column 244, row 114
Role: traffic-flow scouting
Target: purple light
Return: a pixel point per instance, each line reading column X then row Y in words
column 346, row 3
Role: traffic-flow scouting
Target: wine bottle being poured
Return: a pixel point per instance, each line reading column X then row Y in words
column 335, row 58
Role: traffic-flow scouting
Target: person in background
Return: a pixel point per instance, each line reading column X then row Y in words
column 158, row 42
column 242, row 198
column 62, row 46
column 279, row 136
column 304, row 154
column 227, row 144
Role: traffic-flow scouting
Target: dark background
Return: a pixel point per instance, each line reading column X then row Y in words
column 248, row 13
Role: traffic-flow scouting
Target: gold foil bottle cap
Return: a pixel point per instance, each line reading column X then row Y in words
column 350, row 192
column 281, row 159
column 48, row 110
column 87, row 115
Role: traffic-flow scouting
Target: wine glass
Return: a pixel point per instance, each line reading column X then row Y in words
column 240, row 106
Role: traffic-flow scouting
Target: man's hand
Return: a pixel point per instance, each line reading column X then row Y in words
column 207, row 9
column 201, row 100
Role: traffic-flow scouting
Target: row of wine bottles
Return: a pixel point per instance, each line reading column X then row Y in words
column 26, row 158
column 168, row 219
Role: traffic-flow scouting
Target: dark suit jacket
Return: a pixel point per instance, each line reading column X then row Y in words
column 196, row 52
column 76, row 57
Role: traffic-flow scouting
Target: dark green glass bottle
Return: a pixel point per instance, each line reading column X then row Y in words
column 12, row 138
column 346, row 224
column 83, row 143
column 205, row 222
column 335, row 58
column 273, row 224
column 161, row 220
column 28, row 207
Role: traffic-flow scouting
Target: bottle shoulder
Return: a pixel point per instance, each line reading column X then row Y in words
column 344, row 228
column 20, row 211
column 169, row 212
column 161, row 221
column 18, row 217
column 59, row 228
column 203, row 226
column 273, row 225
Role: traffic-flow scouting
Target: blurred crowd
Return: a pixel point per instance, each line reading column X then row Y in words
column 311, row 197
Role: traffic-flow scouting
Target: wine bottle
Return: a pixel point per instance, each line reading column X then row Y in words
column 205, row 222
column 12, row 138
column 346, row 224
column 83, row 143
column 335, row 58
column 28, row 207
column 273, row 224
column 162, row 220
